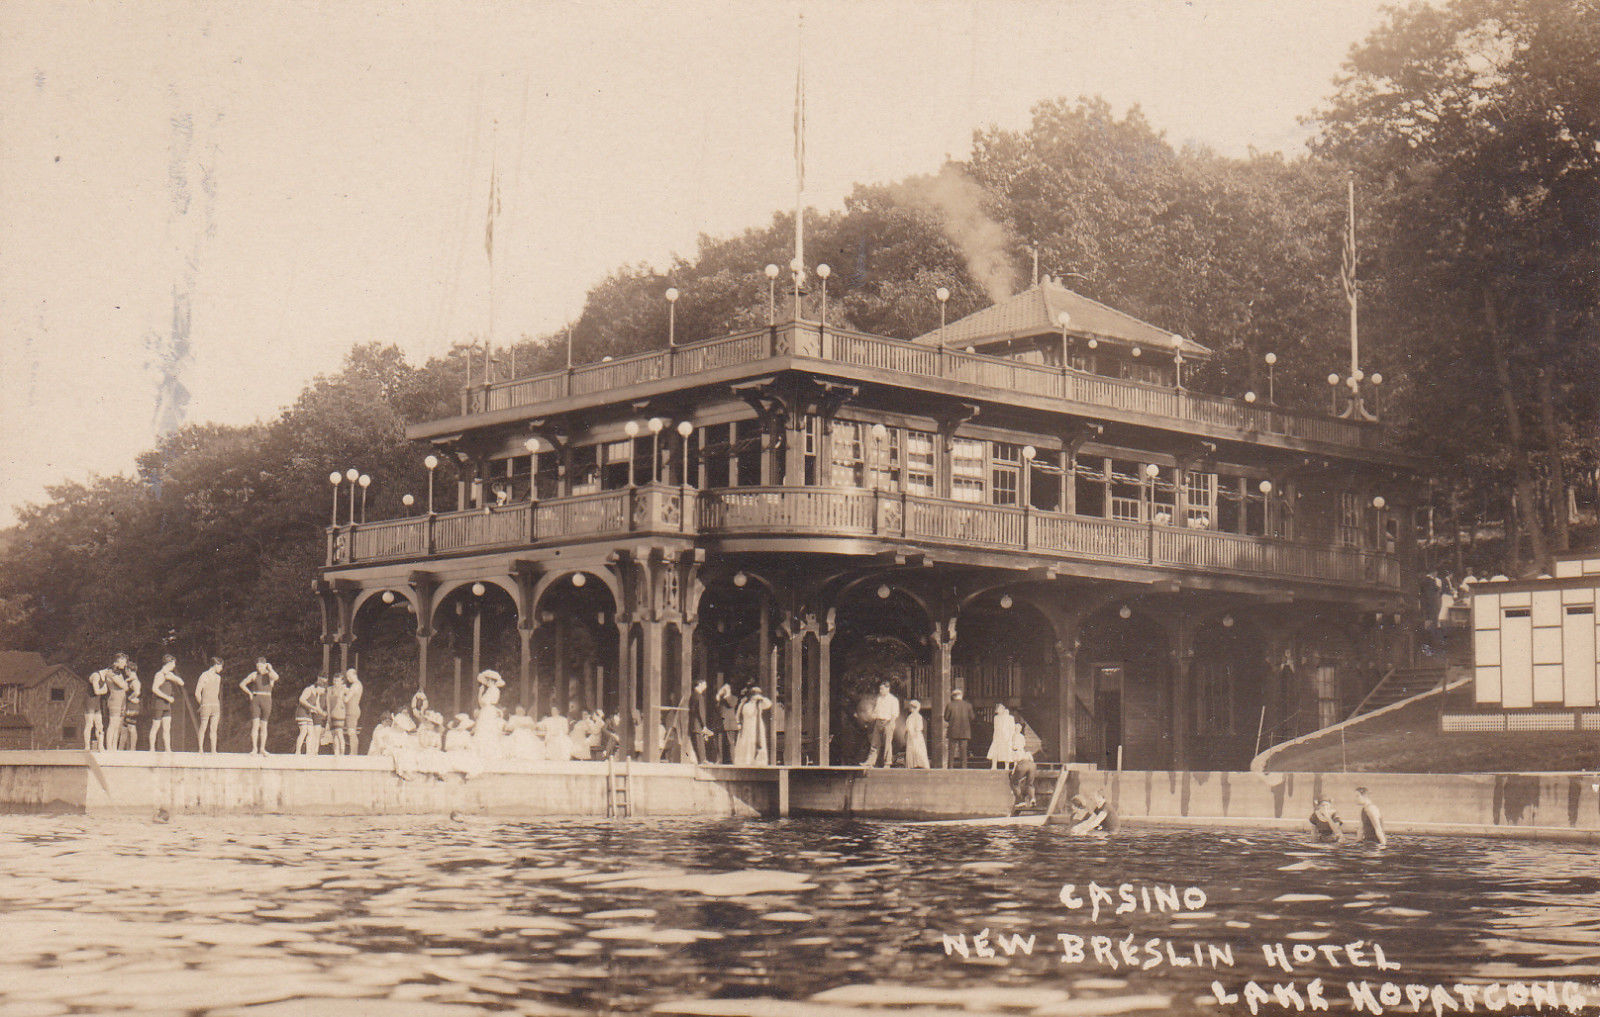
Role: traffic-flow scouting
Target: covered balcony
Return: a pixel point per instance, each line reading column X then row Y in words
column 856, row 356
column 840, row 520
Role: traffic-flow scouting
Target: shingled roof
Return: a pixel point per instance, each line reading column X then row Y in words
column 1037, row 311
column 20, row 667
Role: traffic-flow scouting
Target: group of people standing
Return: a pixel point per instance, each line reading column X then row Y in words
column 1007, row 747
column 328, row 712
column 118, row 701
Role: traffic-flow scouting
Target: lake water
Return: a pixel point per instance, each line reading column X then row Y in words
column 276, row 916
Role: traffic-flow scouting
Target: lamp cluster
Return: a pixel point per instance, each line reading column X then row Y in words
column 357, row 480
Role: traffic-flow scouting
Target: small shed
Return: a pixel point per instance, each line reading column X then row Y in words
column 1535, row 644
column 41, row 705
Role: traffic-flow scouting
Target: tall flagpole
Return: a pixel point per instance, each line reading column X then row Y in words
column 488, row 248
column 1352, row 287
column 799, row 161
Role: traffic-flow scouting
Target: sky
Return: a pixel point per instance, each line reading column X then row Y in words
column 203, row 206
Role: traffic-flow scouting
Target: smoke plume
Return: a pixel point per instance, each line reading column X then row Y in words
column 958, row 202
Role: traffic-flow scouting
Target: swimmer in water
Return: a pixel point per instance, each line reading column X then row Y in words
column 1326, row 822
column 1371, row 820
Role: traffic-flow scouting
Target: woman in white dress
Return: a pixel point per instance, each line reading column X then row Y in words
column 523, row 742
column 751, row 748
column 557, row 740
column 1004, row 730
column 916, row 738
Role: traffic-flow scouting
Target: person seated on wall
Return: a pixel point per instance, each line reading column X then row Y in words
column 1371, row 820
column 1326, row 823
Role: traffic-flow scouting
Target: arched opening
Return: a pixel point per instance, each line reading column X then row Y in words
column 477, row 628
column 384, row 652
column 575, row 649
column 736, row 647
column 1325, row 680
column 1232, row 698
column 1005, row 653
column 1125, row 677
column 883, row 635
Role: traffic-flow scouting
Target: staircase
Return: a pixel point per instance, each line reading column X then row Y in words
column 1401, row 683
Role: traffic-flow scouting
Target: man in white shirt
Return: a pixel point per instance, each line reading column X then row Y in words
column 885, row 712
column 208, row 695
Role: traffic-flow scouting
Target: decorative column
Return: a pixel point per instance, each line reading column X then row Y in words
column 651, row 632
column 525, row 633
column 944, row 641
column 626, row 695
column 825, row 689
column 765, row 670
column 794, row 632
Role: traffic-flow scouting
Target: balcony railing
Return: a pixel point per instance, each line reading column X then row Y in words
column 920, row 362
column 779, row 511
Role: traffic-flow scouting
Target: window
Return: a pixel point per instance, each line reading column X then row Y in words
column 919, row 463
column 714, row 449
column 69, row 733
column 1349, row 532
column 585, row 469
column 1089, row 478
column 747, row 453
column 966, row 470
column 1325, row 683
column 58, row 695
column 1127, row 491
column 1200, row 496
column 616, row 464
column 1044, row 482
column 10, row 698
column 1005, row 474
column 849, row 457
column 812, row 437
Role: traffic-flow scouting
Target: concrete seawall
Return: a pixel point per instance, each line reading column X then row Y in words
column 231, row 783
column 1562, row 806
column 139, row 783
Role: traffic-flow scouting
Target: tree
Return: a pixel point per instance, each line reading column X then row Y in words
column 1477, row 126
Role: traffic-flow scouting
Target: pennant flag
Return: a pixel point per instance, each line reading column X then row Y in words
column 800, row 114
column 494, row 210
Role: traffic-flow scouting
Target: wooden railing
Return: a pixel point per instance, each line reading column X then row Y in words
column 923, row 362
column 780, row 511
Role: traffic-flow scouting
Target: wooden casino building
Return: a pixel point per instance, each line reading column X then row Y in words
column 1029, row 504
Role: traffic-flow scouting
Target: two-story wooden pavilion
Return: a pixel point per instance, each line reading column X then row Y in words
column 1028, row 503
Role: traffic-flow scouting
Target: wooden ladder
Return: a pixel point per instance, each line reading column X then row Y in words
column 618, row 804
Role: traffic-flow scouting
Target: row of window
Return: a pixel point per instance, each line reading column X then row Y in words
column 904, row 459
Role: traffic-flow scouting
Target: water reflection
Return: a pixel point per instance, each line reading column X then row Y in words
column 372, row 916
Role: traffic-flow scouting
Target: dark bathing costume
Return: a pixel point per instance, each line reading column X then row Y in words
column 260, row 699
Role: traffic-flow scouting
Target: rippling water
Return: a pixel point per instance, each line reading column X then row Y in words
column 385, row 916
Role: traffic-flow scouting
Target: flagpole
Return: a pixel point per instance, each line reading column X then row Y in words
column 1355, row 294
column 799, row 161
column 488, row 247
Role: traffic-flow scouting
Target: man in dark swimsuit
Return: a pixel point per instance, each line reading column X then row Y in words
column 258, row 685
column 1371, row 820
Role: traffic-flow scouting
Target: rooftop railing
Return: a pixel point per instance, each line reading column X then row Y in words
column 916, row 362
column 831, row 512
